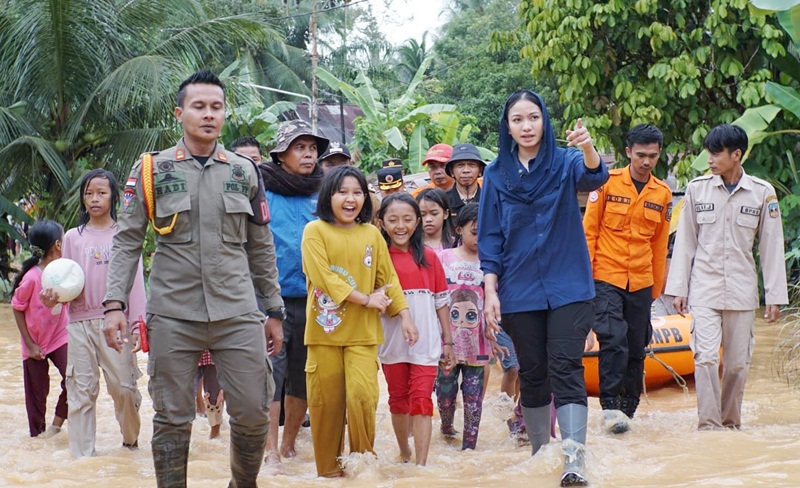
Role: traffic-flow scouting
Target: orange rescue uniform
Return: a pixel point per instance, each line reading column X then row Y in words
column 627, row 232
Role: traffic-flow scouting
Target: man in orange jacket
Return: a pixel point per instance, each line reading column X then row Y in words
column 627, row 228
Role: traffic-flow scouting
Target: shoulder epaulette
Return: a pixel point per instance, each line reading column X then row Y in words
column 702, row 178
column 615, row 172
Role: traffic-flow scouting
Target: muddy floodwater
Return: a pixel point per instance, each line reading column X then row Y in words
column 663, row 449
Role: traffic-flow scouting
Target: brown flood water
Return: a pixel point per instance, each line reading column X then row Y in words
column 662, row 450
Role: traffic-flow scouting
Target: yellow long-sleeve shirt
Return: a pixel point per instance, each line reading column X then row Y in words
column 337, row 261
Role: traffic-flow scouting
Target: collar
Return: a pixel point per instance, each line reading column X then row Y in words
column 182, row 154
column 744, row 182
column 628, row 179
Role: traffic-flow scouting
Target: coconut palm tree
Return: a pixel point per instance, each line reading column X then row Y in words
column 90, row 83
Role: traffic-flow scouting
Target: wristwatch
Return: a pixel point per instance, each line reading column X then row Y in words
column 277, row 313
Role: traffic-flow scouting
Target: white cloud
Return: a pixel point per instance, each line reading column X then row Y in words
column 409, row 19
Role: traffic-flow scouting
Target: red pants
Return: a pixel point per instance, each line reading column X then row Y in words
column 410, row 388
column 36, row 374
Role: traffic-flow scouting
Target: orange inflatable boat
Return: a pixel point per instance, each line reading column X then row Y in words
column 670, row 344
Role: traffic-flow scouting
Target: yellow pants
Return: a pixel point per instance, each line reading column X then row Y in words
column 341, row 380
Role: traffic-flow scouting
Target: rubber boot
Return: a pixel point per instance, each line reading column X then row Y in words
column 572, row 422
column 537, row 424
column 614, row 419
column 247, row 452
column 171, row 459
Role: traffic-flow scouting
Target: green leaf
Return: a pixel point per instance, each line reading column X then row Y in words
column 784, row 96
column 429, row 109
column 395, row 138
column 775, row 5
column 45, row 150
column 790, row 21
column 417, row 148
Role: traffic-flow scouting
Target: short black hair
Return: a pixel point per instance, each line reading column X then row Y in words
column 331, row 183
column 726, row 136
column 467, row 214
column 644, row 134
column 204, row 76
column 245, row 141
column 83, row 212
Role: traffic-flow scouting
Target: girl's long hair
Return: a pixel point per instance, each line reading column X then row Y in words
column 439, row 197
column 83, row 213
column 42, row 236
column 416, row 243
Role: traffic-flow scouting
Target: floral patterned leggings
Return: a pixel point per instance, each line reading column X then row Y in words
column 472, row 393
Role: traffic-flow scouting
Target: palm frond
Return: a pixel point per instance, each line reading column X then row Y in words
column 43, row 149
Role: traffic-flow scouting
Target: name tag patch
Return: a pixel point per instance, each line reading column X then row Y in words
column 618, row 199
column 653, row 206
column 703, row 207
column 171, row 182
column 751, row 211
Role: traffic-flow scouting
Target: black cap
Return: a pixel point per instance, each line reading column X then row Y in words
column 464, row 152
column 334, row 148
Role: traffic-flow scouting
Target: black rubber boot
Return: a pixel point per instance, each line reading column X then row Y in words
column 247, row 453
column 572, row 423
column 170, row 460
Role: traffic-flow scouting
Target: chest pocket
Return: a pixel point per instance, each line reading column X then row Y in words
column 234, row 221
column 168, row 205
column 650, row 222
column 706, row 218
column 615, row 215
column 749, row 221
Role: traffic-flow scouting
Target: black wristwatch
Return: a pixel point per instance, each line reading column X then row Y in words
column 277, row 313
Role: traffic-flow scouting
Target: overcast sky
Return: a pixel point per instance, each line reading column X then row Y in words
column 405, row 19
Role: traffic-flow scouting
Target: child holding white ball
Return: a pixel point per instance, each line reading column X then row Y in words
column 42, row 323
column 90, row 245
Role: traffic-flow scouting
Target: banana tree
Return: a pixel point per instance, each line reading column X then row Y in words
column 400, row 128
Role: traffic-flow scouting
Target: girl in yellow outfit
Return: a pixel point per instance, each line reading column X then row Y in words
column 350, row 281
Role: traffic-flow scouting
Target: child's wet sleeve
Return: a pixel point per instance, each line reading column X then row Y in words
column 386, row 274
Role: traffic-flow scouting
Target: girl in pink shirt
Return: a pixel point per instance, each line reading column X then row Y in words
column 42, row 323
column 89, row 245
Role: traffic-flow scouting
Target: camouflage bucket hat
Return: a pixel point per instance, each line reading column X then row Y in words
column 290, row 131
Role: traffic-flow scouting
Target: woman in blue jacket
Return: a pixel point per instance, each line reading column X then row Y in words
column 536, row 263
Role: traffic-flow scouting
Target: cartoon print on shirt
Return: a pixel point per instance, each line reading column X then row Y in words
column 465, row 317
column 772, row 206
column 327, row 310
column 368, row 257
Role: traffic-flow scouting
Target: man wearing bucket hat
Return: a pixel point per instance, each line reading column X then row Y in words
column 465, row 167
column 435, row 159
column 292, row 178
column 337, row 154
column 390, row 177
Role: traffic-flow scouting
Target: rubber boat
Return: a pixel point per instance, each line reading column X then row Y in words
column 670, row 345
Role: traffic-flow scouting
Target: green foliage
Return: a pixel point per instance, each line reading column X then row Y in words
column 397, row 129
column 481, row 77
column 92, row 84
column 684, row 65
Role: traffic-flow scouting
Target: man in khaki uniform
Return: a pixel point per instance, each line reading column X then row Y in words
column 713, row 265
column 213, row 247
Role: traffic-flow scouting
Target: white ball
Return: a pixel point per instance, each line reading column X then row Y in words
column 65, row 277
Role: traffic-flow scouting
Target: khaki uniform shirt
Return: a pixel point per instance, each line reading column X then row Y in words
column 220, row 248
column 712, row 261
